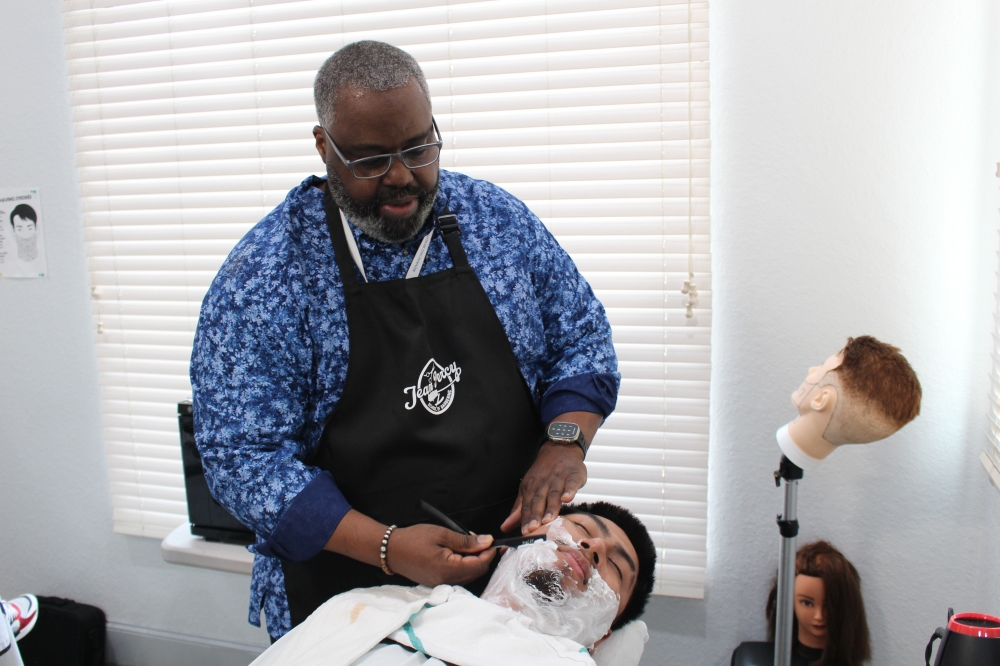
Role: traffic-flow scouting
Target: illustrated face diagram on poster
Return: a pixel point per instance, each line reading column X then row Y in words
column 22, row 235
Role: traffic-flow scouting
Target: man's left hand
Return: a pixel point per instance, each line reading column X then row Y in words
column 555, row 477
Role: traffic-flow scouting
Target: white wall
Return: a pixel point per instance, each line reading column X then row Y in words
column 854, row 147
column 55, row 507
column 853, row 192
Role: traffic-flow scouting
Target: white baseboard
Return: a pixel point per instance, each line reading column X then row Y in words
column 137, row 646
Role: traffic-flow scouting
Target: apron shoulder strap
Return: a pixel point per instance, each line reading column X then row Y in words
column 341, row 250
column 452, row 235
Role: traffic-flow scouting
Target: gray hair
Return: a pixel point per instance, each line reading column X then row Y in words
column 369, row 65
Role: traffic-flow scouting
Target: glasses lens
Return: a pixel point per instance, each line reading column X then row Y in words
column 421, row 156
column 371, row 167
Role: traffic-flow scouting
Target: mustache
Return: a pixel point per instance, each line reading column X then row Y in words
column 390, row 193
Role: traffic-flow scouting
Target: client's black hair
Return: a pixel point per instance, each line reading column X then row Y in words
column 644, row 548
column 25, row 212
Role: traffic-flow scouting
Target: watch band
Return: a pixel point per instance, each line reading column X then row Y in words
column 564, row 432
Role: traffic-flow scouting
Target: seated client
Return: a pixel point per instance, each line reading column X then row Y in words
column 547, row 602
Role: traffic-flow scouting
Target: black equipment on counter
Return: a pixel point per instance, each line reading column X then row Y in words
column 208, row 518
column 971, row 638
column 65, row 634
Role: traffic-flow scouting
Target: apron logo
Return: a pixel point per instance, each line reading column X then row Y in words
column 435, row 387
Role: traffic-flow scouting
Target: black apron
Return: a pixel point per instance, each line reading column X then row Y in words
column 434, row 407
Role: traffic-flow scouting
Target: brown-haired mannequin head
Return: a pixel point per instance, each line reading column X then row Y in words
column 863, row 393
column 829, row 609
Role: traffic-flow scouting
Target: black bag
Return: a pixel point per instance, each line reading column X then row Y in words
column 66, row 634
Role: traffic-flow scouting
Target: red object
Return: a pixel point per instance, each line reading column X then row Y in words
column 975, row 624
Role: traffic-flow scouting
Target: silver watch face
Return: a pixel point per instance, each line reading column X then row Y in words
column 564, row 431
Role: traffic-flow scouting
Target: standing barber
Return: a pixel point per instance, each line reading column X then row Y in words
column 389, row 334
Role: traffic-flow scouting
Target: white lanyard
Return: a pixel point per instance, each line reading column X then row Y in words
column 415, row 265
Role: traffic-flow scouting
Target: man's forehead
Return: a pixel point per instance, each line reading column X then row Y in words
column 354, row 102
column 610, row 530
column 606, row 527
column 602, row 523
column 371, row 119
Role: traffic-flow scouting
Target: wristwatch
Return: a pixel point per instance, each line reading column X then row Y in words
column 564, row 432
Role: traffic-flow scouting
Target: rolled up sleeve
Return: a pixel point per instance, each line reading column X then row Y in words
column 593, row 392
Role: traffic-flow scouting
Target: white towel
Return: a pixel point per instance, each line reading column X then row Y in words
column 446, row 622
column 623, row 647
column 466, row 630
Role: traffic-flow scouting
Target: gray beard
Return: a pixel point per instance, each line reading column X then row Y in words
column 27, row 248
column 365, row 216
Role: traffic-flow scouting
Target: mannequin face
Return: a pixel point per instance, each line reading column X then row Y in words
column 802, row 395
column 815, row 401
column 809, row 600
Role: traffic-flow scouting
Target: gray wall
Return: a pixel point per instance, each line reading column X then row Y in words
column 55, row 508
column 853, row 192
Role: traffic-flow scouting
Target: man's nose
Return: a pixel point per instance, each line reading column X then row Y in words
column 398, row 174
column 595, row 550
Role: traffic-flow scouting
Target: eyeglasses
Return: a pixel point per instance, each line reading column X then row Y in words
column 377, row 166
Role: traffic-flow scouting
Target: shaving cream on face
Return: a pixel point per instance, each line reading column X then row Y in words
column 533, row 580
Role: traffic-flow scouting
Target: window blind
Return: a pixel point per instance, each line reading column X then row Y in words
column 193, row 120
column 990, row 458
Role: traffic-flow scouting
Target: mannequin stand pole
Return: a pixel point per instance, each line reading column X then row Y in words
column 788, row 525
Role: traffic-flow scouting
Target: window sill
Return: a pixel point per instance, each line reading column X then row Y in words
column 182, row 547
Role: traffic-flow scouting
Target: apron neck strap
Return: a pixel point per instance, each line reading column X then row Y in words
column 341, row 250
column 447, row 222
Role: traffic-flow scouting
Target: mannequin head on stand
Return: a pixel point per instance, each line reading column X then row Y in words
column 863, row 393
column 829, row 609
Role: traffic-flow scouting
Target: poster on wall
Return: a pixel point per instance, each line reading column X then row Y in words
column 22, row 235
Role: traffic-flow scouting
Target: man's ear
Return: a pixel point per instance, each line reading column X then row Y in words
column 824, row 399
column 320, row 137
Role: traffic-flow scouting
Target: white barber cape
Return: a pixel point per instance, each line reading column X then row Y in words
column 448, row 623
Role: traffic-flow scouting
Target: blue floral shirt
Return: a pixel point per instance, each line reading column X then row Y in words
column 271, row 350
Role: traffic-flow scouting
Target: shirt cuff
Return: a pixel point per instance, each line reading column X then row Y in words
column 309, row 522
column 596, row 393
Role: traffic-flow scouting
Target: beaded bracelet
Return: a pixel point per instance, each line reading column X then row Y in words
column 382, row 551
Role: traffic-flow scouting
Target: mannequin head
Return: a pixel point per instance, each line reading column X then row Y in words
column 829, row 609
column 863, row 393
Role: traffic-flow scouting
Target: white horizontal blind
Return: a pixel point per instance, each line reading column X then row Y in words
column 990, row 458
column 193, row 120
